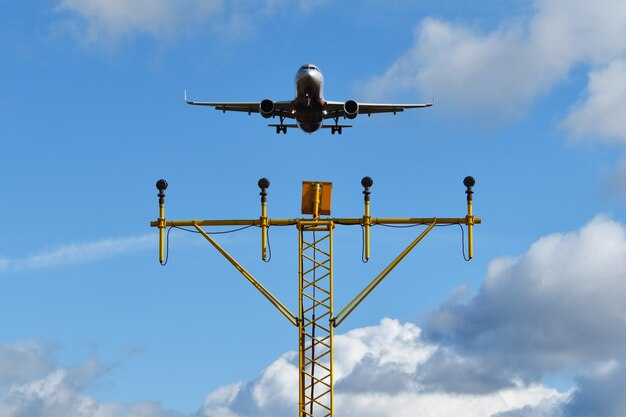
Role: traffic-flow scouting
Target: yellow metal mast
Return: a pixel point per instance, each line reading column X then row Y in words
column 315, row 308
column 315, row 318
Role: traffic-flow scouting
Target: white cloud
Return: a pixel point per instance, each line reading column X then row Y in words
column 77, row 253
column 559, row 307
column 377, row 374
column 498, row 75
column 464, row 69
column 40, row 387
column 551, row 407
column 105, row 21
column 599, row 393
column 21, row 362
column 603, row 113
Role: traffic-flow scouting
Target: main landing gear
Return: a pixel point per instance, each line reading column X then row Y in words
column 281, row 127
column 336, row 128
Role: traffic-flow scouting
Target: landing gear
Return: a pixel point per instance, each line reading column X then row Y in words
column 281, row 127
column 336, row 128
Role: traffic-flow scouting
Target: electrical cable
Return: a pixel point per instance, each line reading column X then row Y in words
column 269, row 246
column 167, row 247
column 363, row 245
column 345, row 224
column 466, row 258
column 397, row 226
column 221, row 232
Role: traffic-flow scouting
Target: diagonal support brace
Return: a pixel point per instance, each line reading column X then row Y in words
column 270, row 297
column 343, row 314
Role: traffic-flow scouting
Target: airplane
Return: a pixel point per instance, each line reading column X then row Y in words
column 308, row 108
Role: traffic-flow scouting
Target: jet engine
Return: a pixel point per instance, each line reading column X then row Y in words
column 350, row 109
column 266, row 108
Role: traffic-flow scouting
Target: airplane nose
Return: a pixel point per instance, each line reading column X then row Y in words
column 305, row 74
column 309, row 77
column 308, row 83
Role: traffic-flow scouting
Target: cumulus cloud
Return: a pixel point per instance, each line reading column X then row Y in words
column 36, row 385
column 76, row 253
column 500, row 73
column 601, row 115
column 551, row 407
column 377, row 374
column 599, row 393
column 21, row 362
column 466, row 68
column 559, row 306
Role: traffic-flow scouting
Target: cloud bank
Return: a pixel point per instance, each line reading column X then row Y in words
column 498, row 75
column 378, row 373
column 34, row 385
column 558, row 307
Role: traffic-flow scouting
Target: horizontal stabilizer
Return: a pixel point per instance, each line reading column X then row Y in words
column 334, row 126
column 283, row 125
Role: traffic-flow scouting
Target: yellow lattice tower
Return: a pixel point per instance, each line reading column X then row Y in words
column 315, row 311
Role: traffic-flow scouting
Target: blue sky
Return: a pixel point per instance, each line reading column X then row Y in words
column 529, row 99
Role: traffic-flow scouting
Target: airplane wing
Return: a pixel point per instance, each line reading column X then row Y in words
column 281, row 108
column 336, row 108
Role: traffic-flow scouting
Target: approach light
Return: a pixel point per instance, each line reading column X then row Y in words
column 367, row 182
column 264, row 183
column 161, row 185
